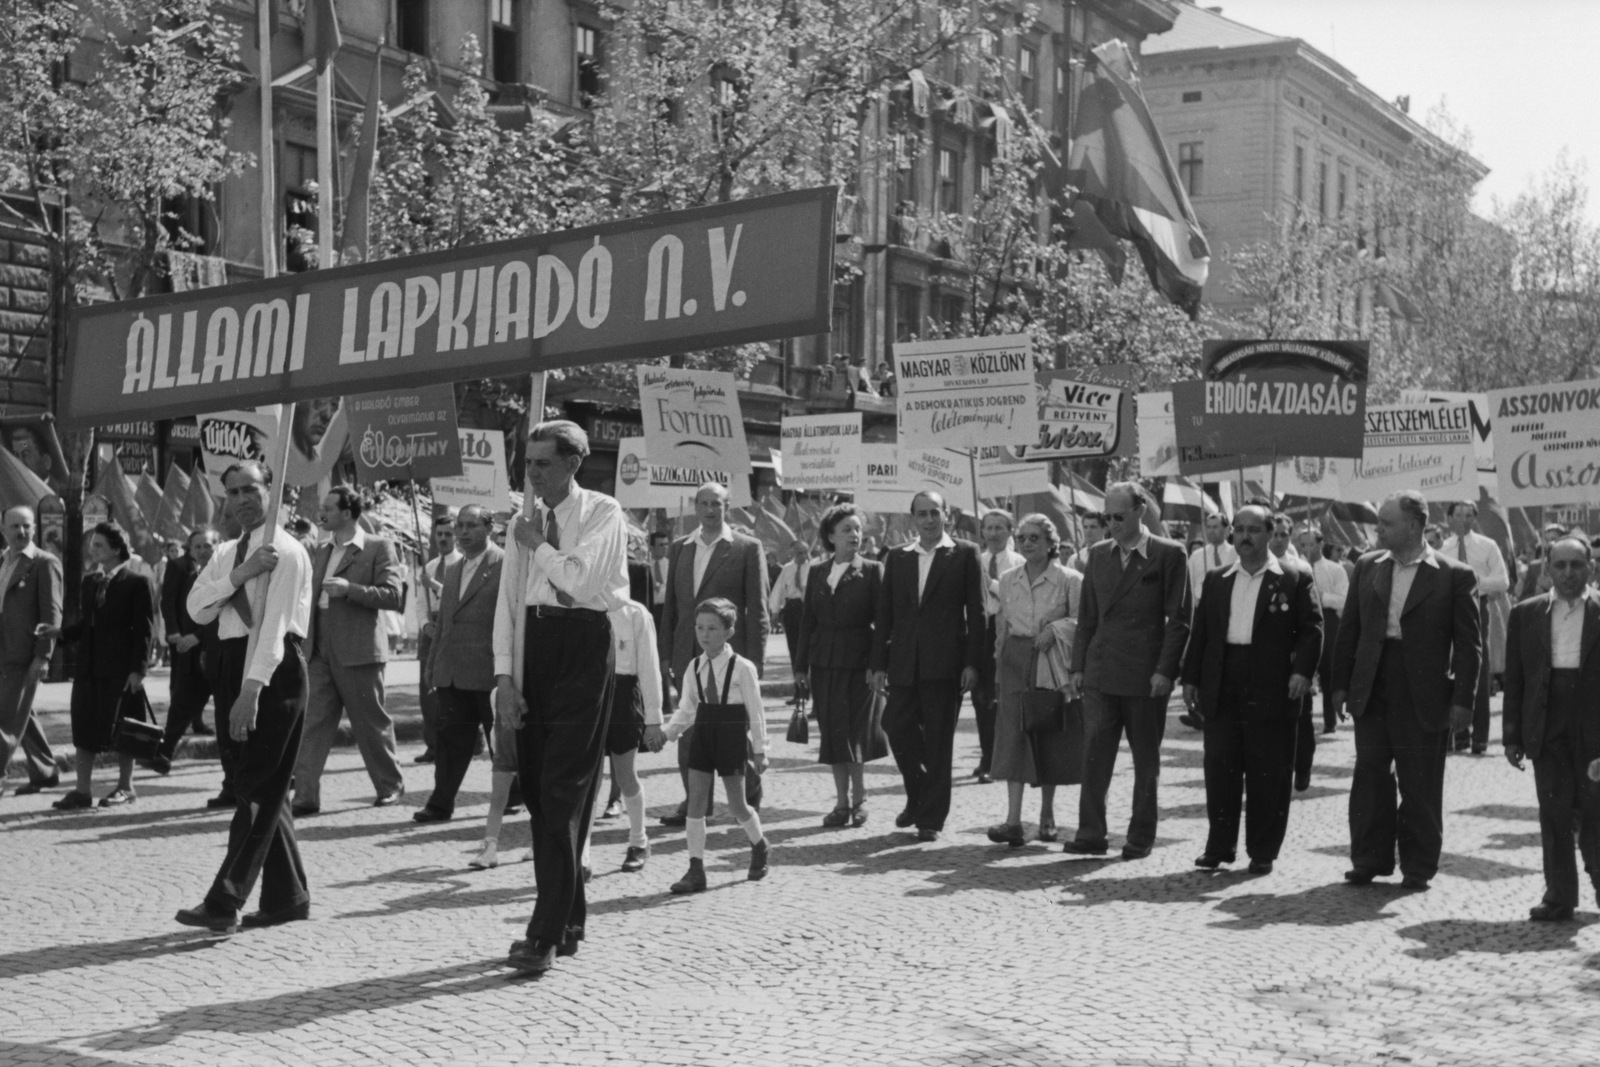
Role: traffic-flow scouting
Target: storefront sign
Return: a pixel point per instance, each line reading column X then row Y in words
column 409, row 434
column 967, row 392
column 483, row 478
column 692, row 419
column 751, row 270
column 1547, row 443
column 822, row 452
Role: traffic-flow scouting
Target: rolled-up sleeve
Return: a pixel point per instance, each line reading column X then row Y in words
column 213, row 588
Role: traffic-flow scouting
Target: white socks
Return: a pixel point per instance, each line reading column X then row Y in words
column 634, row 806
column 696, row 832
column 751, row 827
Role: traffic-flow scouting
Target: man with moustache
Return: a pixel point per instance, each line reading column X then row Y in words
column 1132, row 625
column 30, row 596
column 1253, row 646
column 1407, row 660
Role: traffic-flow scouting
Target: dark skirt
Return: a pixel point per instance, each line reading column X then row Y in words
column 1019, row 756
column 849, row 718
column 95, row 704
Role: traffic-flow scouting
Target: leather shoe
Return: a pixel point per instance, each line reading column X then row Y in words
column 1083, row 848
column 426, row 757
column 118, row 797
column 1414, row 882
column 1133, row 852
column 635, row 859
column 837, row 817
column 927, row 835
column 1550, row 913
column 858, row 815
column 74, row 801
column 1211, row 861
column 905, row 819
column 535, row 958
column 1260, row 866
column 1360, row 875
column 427, row 814
column 36, row 787
column 302, row 811
column 758, row 861
column 1478, row 750
column 1010, row 835
column 985, row 779
column 675, row 818
column 385, row 799
column 223, row 800
column 693, row 880
column 1302, row 781
column 208, row 918
column 1190, row 721
column 292, row 914
column 161, row 765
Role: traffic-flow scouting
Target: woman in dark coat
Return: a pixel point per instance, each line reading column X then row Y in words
column 114, row 633
column 835, row 637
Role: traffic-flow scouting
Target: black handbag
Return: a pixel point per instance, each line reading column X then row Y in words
column 799, row 728
column 1044, row 711
column 136, row 732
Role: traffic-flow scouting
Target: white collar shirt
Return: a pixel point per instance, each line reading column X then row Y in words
column 1566, row 632
column 1332, row 584
column 633, row 637
column 791, row 584
column 336, row 556
column 469, row 567
column 1405, row 574
column 658, row 580
column 285, row 609
column 703, row 550
column 1483, row 556
column 13, row 560
column 1246, row 591
column 1204, row 559
column 836, row 572
column 435, row 569
column 995, row 565
column 744, row 688
column 1141, row 546
column 925, row 559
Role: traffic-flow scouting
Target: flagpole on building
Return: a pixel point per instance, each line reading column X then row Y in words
column 326, row 193
column 267, row 165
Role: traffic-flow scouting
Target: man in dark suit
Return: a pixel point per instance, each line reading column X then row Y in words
column 659, row 587
column 30, row 594
column 460, row 669
column 714, row 561
column 1132, row 626
column 1255, row 642
column 354, row 578
column 190, row 643
column 926, row 644
column 1552, row 675
column 1407, row 661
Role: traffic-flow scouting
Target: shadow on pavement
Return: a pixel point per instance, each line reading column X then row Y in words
column 1507, row 841
column 1502, row 811
column 1440, row 939
column 1481, row 869
column 100, row 953
column 1324, row 905
column 22, row 1052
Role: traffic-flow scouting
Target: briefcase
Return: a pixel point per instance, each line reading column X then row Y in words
column 136, row 732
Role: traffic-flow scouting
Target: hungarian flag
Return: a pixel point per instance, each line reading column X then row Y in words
column 169, row 511
column 1085, row 497
column 322, row 36
column 356, row 238
column 1123, row 172
column 198, row 507
column 19, row 486
column 1184, row 501
column 147, row 494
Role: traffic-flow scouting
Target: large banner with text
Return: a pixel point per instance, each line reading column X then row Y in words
column 1547, row 443
column 408, row 434
column 1407, row 446
column 966, row 392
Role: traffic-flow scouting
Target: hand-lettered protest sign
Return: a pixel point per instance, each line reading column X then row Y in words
column 1547, row 443
column 483, row 479
column 1076, row 419
column 1407, row 446
column 822, row 452
column 405, row 434
column 893, row 475
column 692, row 419
column 318, row 434
column 966, row 392
column 642, row 483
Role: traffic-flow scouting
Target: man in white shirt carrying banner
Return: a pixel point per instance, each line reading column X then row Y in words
column 1467, row 545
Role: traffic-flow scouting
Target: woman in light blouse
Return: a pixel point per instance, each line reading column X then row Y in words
column 1038, row 600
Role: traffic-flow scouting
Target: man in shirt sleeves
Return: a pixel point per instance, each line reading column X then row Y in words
column 1407, row 660
column 260, row 696
column 995, row 558
column 1467, row 545
column 565, row 567
column 1333, row 588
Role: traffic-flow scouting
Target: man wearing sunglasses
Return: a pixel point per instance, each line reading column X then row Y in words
column 1132, row 626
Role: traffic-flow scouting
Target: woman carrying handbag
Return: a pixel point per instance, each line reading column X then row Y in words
column 1034, row 743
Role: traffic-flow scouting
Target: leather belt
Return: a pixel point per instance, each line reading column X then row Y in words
column 556, row 611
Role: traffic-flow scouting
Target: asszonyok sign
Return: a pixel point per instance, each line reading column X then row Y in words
column 751, row 270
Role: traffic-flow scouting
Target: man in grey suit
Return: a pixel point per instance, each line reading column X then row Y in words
column 460, row 666
column 354, row 578
column 714, row 561
column 1132, row 626
column 30, row 594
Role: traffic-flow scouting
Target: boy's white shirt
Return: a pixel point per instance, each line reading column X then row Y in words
column 745, row 689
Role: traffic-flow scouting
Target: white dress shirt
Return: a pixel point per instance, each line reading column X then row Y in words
column 1141, row 546
column 469, row 567
column 434, row 571
column 591, row 567
column 703, row 550
column 791, row 583
column 12, row 561
column 925, row 559
column 355, row 544
column 1566, row 632
column 836, row 572
column 1333, row 585
column 1246, row 591
column 658, row 580
column 744, row 689
column 633, row 636
column 286, row 609
column 1404, row 575
column 1005, row 560
column 1208, row 558
column 1484, row 557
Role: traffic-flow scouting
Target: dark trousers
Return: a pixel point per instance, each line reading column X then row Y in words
column 261, row 842
column 427, row 697
column 1479, row 735
column 986, row 698
column 1305, row 740
column 920, row 720
column 789, row 615
column 190, row 691
column 19, row 728
column 1560, row 774
column 1393, row 749
column 1105, row 717
column 462, row 714
column 754, row 791
column 1330, row 631
column 566, row 681
column 1248, row 755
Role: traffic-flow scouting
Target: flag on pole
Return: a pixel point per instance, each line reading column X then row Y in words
column 19, row 486
column 355, row 240
column 1182, row 501
column 1085, row 497
column 322, row 37
column 169, row 512
column 198, row 507
column 118, row 490
column 1122, row 170
column 147, row 494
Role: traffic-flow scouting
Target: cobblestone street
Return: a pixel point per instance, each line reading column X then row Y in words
column 862, row 947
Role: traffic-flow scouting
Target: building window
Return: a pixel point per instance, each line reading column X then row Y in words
column 907, row 312
column 586, row 46
column 411, row 26
column 1061, row 89
column 952, row 312
column 1191, row 166
column 1028, row 76
column 1299, row 174
column 907, row 146
column 503, row 66
column 299, row 169
column 1322, row 190
column 949, row 181
column 1344, row 185
column 1192, row 96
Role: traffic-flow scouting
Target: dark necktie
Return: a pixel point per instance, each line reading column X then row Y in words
column 552, row 533
column 100, row 591
column 241, row 596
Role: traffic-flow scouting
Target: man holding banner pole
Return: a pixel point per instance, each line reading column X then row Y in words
column 1467, row 545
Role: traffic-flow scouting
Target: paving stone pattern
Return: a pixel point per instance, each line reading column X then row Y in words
column 862, row 947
